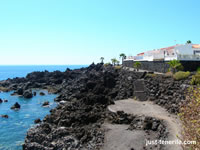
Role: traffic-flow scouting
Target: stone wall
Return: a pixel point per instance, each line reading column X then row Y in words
column 162, row 66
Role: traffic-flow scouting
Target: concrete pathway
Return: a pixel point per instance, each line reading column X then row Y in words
column 140, row 70
column 118, row 138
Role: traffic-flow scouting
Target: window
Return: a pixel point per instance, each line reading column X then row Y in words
column 196, row 52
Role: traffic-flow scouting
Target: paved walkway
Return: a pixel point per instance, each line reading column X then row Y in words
column 118, row 138
column 140, row 70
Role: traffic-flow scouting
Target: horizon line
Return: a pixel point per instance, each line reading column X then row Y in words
column 44, row 64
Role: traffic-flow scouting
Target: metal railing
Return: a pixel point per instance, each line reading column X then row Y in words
column 188, row 57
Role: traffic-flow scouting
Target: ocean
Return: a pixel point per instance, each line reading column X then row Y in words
column 13, row 71
column 13, row 129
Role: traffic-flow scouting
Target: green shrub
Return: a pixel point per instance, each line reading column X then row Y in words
column 181, row 75
column 175, row 66
column 118, row 67
column 107, row 64
column 198, row 70
column 195, row 79
column 137, row 65
column 189, row 115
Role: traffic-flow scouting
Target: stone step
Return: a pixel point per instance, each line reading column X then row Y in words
column 140, row 90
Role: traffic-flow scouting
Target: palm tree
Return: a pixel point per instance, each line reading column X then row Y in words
column 175, row 65
column 118, row 62
column 102, row 58
column 123, row 56
column 137, row 65
column 114, row 60
column 189, row 42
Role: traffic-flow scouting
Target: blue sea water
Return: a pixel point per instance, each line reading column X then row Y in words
column 13, row 130
column 7, row 71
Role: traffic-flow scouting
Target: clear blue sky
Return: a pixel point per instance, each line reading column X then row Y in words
column 81, row 31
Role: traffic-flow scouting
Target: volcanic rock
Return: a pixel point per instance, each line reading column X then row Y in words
column 85, row 94
column 28, row 94
column 16, row 106
column 20, row 91
column 37, row 121
column 4, row 116
column 42, row 93
column 46, row 103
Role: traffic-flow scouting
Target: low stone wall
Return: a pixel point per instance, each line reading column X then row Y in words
column 162, row 66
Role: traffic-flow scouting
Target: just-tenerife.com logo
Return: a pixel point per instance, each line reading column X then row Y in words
column 172, row 142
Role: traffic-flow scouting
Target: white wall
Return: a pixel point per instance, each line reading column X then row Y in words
column 184, row 49
column 186, row 52
column 181, row 52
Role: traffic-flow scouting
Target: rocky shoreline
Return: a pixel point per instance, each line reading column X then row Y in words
column 84, row 94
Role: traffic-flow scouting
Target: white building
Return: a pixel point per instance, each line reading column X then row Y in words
column 179, row 52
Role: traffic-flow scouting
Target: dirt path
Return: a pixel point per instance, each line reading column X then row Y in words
column 118, row 138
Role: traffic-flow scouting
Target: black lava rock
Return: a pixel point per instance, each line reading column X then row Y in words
column 42, row 93
column 46, row 103
column 16, row 106
column 28, row 94
column 37, row 121
column 4, row 116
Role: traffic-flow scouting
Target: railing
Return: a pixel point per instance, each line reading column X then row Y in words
column 188, row 57
column 170, row 57
column 166, row 58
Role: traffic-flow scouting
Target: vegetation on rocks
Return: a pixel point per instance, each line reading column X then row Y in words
column 114, row 61
column 190, row 116
column 118, row 67
column 137, row 65
column 198, row 70
column 195, row 79
column 107, row 64
column 181, row 75
column 175, row 66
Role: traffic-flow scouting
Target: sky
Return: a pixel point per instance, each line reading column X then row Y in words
column 63, row 32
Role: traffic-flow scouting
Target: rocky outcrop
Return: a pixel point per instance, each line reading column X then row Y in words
column 37, row 121
column 4, row 116
column 46, row 103
column 79, row 120
column 167, row 92
column 138, row 122
column 5, row 100
column 28, row 93
column 42, row 93
column 84, row 95
column 20, row 91
column 16, row 106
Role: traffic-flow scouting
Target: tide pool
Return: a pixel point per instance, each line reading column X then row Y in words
column 13, row 130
